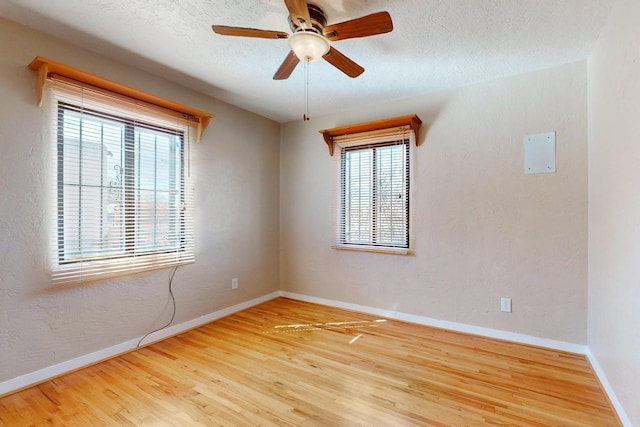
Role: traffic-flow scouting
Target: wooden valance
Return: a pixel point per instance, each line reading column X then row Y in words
column 413, row 121
column 47, row 67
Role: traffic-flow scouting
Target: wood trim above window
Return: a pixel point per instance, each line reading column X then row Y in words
column 413, row 121
column 47, row 68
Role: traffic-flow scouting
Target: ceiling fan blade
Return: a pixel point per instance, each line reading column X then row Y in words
column 370, row 25
column 299, row 11
column 287, row 67
column 343, row 63
column 248, row 32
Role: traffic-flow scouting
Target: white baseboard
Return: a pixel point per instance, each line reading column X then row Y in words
column 36, row 377
column 608, row 389
column 444, row 324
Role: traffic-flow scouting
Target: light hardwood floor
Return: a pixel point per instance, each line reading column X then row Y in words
column 290, row 363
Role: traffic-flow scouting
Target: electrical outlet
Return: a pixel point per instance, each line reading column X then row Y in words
column 505, row 304
column 234, row 283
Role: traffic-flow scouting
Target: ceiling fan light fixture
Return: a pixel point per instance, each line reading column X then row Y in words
column 308, row 46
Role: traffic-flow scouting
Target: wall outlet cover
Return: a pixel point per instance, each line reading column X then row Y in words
column 505, row 305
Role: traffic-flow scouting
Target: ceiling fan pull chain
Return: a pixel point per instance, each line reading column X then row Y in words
column 306, row 90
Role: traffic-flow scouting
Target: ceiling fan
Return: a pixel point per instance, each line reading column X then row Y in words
column 311, row 36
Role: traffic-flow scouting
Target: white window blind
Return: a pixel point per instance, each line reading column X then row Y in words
column 374, row 199
column 123, row 201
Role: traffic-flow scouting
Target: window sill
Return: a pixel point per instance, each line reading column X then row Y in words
column 374, row 249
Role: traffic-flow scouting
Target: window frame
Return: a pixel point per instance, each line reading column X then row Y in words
column 400, row 135
column 147, row 118
column 129, row 172
column 376, row 240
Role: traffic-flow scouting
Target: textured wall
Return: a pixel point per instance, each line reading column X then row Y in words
column 237, row 190
column 483, row 229
column 614, row 204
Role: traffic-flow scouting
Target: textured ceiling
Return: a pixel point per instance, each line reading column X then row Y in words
column 435, row 44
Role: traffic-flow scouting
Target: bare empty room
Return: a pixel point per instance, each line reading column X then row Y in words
column 285, row 212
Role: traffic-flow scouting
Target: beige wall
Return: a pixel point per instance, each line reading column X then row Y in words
column 614, row 204
column 483, row 229
column 237, row 189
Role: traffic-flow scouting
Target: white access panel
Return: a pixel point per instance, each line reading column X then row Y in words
column 540, row 153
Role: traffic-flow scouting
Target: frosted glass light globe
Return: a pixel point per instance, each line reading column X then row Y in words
column 308, row 46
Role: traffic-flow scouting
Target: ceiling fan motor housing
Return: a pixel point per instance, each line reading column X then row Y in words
column 318, row 20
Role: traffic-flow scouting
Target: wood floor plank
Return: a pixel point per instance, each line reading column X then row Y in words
column 291, row 363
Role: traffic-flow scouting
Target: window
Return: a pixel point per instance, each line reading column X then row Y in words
column 374, row 200
column 123, row 202
column 374, row 195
